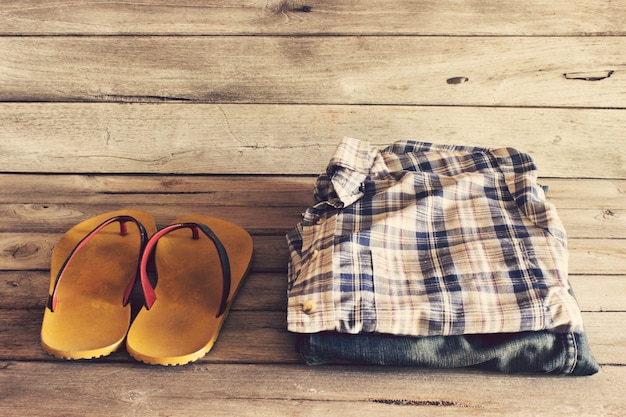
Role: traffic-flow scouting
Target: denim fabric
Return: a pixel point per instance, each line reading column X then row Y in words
column 434, row 256
column 513, row 353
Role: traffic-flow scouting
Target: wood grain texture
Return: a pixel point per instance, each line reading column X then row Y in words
column 298, row 17
column 251, row 337
column 49, row 217
column 298, row 390
column 267, row 291
column 32, row 251
column 231, row 109
column 244, row 190
column 394, row 70
column 266, row 139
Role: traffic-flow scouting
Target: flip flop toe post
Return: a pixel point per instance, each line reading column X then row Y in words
column 200, row 264
column 93, row 269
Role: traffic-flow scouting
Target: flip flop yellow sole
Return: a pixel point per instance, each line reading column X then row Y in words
column 93, row 268
column 200, row 263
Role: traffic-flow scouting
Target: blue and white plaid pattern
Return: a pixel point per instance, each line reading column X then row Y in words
column 423, row 239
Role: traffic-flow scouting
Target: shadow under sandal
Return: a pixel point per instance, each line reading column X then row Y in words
column 201, row 263
column 92, row 273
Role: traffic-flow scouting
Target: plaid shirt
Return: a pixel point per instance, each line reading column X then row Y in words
column 422, row 239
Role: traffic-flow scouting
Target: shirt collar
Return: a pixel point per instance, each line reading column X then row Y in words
column 351, row 164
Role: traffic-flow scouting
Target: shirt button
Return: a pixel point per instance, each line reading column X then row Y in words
column 309, row 307
column 315, row 254
column 321, row 220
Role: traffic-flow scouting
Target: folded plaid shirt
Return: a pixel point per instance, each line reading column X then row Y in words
column 422, row 239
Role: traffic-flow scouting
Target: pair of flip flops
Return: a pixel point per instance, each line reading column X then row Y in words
column 200, row 265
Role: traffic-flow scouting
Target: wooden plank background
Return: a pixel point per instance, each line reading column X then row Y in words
column 486, row 71
column 231, row 109
column 295, row 17
column 264, row 138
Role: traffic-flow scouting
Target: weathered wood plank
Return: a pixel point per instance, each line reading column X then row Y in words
column 264, row 407
column 261, row 291
column 48, row 218
column 423, row 17
column 244, row 190
column 593, row 256
column 28, row 251
column 32, row 251
column 210, row 190
column 608, row 346
column 277, row 139
column 268, row 291
column 73, row 389
column 60, row 217
column 262, row 337
column 585, row 223
column 247, row 337
column 599, row 292
column 481, row 71
column 590, row 194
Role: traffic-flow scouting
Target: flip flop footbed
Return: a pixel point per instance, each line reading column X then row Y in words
column 89, row 319
column 182, row 325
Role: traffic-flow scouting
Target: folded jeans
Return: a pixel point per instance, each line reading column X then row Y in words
column 514, row 353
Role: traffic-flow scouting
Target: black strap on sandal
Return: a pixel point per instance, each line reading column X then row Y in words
column 52, row 299
column 148, row 291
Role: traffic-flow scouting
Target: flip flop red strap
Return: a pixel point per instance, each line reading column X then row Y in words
column 122, row 220
column 148, row 291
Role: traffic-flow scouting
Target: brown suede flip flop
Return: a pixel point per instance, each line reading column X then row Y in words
column 201, row 263
column 92, row 272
